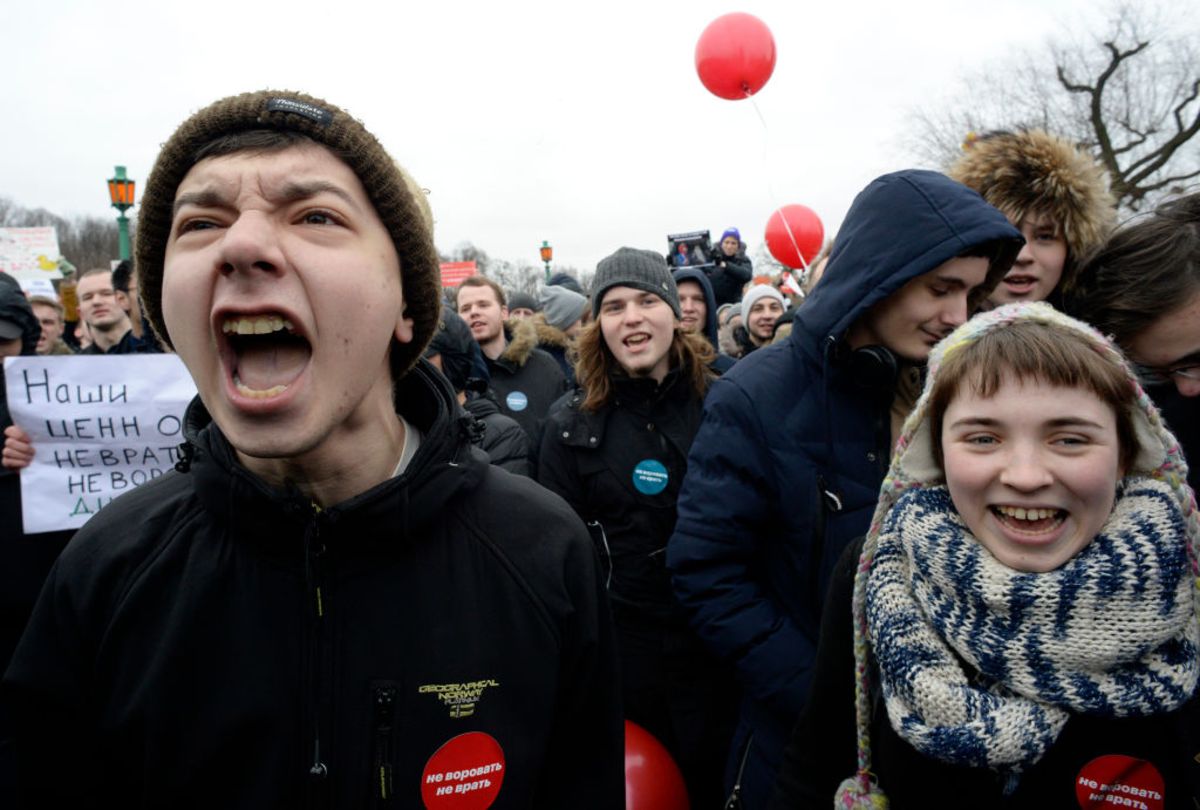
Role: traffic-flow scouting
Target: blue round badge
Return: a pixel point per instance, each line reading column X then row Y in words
column 517, row 401
column 650, row 477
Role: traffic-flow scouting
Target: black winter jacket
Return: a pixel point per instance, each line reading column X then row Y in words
column 526, row 380
column 206, row 641
column 501, row 437
column 604, row 465
column 823, row 750
column 729, row 275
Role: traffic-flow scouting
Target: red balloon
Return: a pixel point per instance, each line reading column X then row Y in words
column 795, row 231
column 652, row 780
column 735, row 55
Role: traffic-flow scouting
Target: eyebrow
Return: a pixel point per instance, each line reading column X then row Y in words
column 950, row 280
column 1065, row 421
column 291, row 192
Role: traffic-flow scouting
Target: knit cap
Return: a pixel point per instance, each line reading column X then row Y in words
column 639, row 269
column 562, row 307
column 731, row 232
column 758, row 292
column 399, row 202
column 521, row 300
column 565, row 280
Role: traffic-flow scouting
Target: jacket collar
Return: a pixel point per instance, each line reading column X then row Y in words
column 445, row 465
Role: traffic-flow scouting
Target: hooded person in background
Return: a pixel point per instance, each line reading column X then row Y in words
column 328, row 603
column 558, row 324
column 786, row 466
column 452, row 351
column 698, row 307
column 732, row 268
column 1054, row 192
column 24, row 559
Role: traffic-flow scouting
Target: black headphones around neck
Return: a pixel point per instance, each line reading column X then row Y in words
column 873, row 368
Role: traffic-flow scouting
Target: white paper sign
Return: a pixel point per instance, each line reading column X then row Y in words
column 29, row 254
column 100, row 426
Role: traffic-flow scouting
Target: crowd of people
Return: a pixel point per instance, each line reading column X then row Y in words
column 923, row 532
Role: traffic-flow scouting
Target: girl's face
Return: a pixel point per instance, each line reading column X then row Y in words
column 1033, row 470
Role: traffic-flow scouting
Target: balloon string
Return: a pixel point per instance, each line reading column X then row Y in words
column 770, row 185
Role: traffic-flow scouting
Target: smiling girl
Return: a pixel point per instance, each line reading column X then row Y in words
column 1025, row 627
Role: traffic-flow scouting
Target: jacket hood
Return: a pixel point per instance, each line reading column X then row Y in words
column 14, row 306
column 899, row 227
column 710, row 300
column 548, row 335
column 522, row 340
column 444, row 466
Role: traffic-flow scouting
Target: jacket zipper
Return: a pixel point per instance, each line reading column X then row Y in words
column 385, row 706
column 314, row 550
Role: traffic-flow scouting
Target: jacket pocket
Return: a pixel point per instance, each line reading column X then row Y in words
column 385, row 696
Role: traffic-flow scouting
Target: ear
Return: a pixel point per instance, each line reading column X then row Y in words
column 404, row 327
column 504, row 313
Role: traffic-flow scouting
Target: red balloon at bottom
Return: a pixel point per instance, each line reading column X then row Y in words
column 804, row 240
column 652, row 779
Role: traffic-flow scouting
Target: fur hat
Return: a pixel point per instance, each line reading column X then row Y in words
column 398, row 200
column 1032, row 170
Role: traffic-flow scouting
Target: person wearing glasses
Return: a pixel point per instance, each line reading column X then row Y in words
column 1143, row 289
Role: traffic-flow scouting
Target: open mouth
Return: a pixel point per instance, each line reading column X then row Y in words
column 1020, row 283
column 1029, row 521
column 636, row 341
column 266, row 353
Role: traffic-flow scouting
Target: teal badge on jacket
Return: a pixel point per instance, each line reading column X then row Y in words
column 517, row 401
column 650, row 477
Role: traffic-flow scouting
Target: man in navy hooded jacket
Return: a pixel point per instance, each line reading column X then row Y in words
column 795, row 441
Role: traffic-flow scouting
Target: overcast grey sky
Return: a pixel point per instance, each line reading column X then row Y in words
column 583, row 124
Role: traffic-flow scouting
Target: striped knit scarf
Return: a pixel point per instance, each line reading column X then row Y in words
column 1110, row 633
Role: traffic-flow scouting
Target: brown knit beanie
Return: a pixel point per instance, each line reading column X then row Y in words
column 1032, row 170
column 398, row 200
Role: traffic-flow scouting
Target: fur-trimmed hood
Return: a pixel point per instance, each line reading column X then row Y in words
column 1019, row 172
column 522, row 336
column 548, row 335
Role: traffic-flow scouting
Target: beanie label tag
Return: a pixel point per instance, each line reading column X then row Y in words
column 310, row 111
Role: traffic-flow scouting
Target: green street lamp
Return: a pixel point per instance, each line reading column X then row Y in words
column 120, row 193
column 547, row 255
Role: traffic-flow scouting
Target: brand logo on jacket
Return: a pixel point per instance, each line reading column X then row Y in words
column 459, row 697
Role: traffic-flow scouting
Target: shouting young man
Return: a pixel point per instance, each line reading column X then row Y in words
column 328, row 605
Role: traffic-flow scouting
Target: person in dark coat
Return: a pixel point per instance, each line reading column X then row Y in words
column 991, row 644
column 616, row 450
column 795, row 440
column 699, row 308
column 1143, row 289
column 452, row 351
column 526, row 379
column 558, row 325
column 328, row 603
column 732, row 268
column 25, row 559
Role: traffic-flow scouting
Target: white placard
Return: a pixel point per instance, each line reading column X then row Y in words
column 100, row 426
column 29, row 254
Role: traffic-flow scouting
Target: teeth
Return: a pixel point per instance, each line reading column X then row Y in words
column 259, row 325
column 1026, row 514
column 254, row 393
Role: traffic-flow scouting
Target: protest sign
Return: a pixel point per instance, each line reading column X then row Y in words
column 100, row 426
column 30, row 255
column 453, row 273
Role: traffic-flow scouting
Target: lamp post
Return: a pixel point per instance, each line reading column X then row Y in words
column 120, row 193
column 547, row 254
